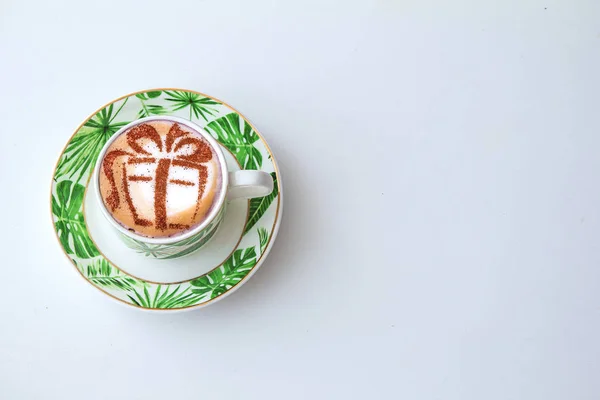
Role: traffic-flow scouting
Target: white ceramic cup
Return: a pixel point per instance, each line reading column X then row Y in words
column 243, row 184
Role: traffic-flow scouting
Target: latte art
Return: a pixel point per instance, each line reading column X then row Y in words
column 159, row 178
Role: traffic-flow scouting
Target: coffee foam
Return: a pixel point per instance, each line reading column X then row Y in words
column 159, row 178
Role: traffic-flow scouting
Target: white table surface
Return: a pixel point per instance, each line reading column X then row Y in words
column 441, row 231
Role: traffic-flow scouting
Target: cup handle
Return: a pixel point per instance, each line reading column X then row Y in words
column 247, row 184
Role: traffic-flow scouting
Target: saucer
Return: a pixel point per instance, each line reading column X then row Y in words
column 221, row 266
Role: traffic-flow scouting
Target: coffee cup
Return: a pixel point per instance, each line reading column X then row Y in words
column 163, row 183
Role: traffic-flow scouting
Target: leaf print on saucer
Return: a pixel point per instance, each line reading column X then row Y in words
column 200, row 106
column 263, row 237
column 102, row 273
column 238, row 136
column 150, row 109
column 164, row 299
column 82, row 151
column 227, row 275
column 260, row 205
column 69, row 224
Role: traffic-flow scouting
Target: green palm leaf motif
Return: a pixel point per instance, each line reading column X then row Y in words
column 159, row 250
column 82, row 151
column 259, row 205
column 263, row 238
column 233, row 270
column 157, row 298
column 102, row 273
column 69, row 224
column 152, row 94
column 200, row 106
column 192, row 248
column 238, row 136
column 146, row 249
column 150, row 109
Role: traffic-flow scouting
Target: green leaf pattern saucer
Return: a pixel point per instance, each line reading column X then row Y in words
column 71, row 179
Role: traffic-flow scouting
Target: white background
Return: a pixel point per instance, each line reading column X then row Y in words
column 441, row 229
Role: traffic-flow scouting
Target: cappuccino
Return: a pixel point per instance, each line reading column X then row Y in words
column 159, row 178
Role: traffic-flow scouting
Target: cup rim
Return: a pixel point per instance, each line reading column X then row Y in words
column 216, row 208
